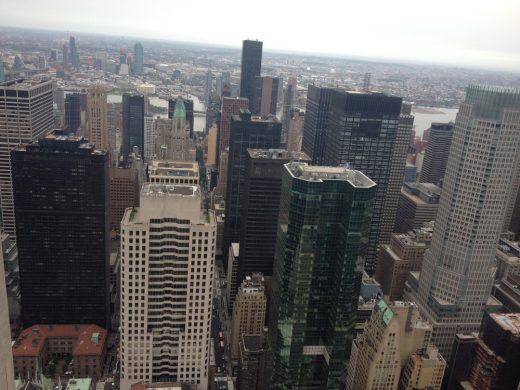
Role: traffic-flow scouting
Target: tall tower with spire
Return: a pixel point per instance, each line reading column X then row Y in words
column 173, row 141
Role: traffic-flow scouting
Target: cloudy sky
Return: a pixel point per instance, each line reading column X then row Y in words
column 480, row 33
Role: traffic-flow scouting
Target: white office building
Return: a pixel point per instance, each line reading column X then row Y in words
column 167, row 254
column 457, row 272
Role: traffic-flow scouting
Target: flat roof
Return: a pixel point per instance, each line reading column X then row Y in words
column 307, row 172
column 23, row 84
column 275, row 154
column 174, row 168
column 90, row 339
column 507, row 321
column 169, row 189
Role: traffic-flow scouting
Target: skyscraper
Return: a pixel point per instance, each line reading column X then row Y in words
column 246, row 132
column 65, row 55
column 457, row 272
column 149, row 137
column 74, row 55
column 6, row 363
column 124, row 193
column 295, row 131
column 315, row 125
column 31, row 103
column 2, row 77
column 436, row 153
column 266, row 95
column 230, row 106
column 322, row 235
column 97, row 115
column 288, row 106
column 208, row 86
column 166, row 287
column 250, row 68
column 418, row 203
column 491, row 359
column 392, row 335
column 366, row 132
column 172, row 141
column 73, row 112
column 248, row 310
column 188, row 104
column 133, row 124
column 138, row 58
column 212, row 145
column 60, row 187
column 260, row 207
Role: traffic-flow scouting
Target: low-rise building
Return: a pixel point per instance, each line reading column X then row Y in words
column 37, row 345
column 404, row 254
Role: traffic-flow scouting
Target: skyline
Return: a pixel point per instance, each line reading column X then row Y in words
column 401, row 33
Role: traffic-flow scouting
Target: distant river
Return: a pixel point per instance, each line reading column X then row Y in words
column 424, row 116
column 199, row 119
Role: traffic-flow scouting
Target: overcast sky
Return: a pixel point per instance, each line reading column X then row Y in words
column 483, row 33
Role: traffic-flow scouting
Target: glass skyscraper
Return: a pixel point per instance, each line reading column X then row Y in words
column 138, row 58
column 365, row 131
column 251, row 67
column 323, row 227
column 133, row 124
column 60, row 187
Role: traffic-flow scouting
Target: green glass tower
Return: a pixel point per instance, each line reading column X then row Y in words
column 323, row 224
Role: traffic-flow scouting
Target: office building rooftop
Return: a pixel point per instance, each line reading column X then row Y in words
column 306, row 172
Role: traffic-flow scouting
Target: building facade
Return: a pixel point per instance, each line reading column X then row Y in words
column 188, row 106
column 61, row 198
column 6, row 364
column 489, row 360
column 295, row 130
column 457, row 272
column 124, row 193
column 73, row 112
column 97, row 116
column 252, row 362
column 322, row 236
column 266, row 95
column 230, row 106
column 248, row 311
column 32, row 102
column 289, row 101
column 167, row 260
column 251, row 66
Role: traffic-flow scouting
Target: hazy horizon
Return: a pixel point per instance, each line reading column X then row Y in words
column 464, row 33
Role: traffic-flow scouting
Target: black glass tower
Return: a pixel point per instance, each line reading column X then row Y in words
column 60, row 198
column 367, row 132
column 73, row 112
column 133, row 124
column 251, row 68
column 246, row 132
column 321, row 242
column 260, row 206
